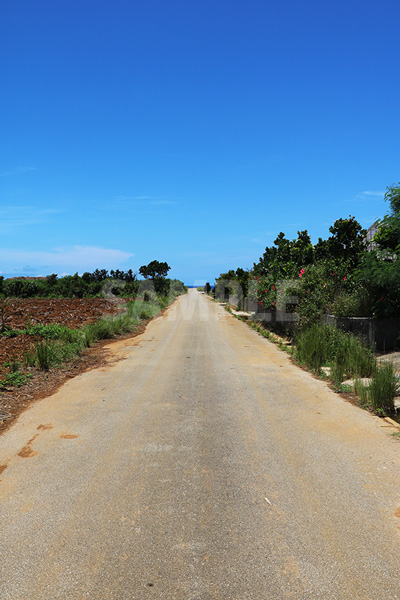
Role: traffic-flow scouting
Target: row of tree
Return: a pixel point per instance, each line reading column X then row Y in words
column 345, row 274
column 99, row 282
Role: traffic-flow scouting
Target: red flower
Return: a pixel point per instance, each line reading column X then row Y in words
column 273, row 287
column 308, row 291
column 324, row 284
column 344, row 278
column 260, row 303
column 333, row 274
column 302, row 271
column 265, row 291
column 273, row 303
column 380, row 299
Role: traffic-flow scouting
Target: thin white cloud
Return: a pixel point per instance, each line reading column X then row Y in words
column 142, row 201
column 18, row 171
column 71, row 258
column 163, row 202
column 18, row 216
column 371, row 194
column 127, row 198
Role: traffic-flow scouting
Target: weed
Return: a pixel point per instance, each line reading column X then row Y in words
column 48, row 332
column 321, row 344
column 17, row 379
column 44, row 355
column 384, row 388
column 362, row 392
column 29, row 358
column 13, row 365
column 343, row 388
column 5, row 316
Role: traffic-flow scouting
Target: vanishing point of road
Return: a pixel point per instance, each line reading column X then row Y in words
column 198, row 464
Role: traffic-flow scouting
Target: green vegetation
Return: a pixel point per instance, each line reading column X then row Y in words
column 296, row 282
column 342, row 275
column 100, row 283
column 323, row 345
column 57, row 344
column 14, row 379
column 379, row 395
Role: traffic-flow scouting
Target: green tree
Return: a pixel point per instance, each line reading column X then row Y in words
column 347, row 243
column 388, row 236
column 243, row 278
column 154, row 270
column 379, row 270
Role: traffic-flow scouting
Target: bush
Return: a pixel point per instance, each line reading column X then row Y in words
column 356, row 303
column 326, row 345
column 45, row 355
column 384, row 388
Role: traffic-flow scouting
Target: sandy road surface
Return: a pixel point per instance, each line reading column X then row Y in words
column 203, row 465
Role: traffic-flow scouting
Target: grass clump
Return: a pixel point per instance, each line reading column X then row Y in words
column 381, row 392
column 60, row 344
column 14, row 379
column 383, row 388
column 321, row 345
column 45, row 355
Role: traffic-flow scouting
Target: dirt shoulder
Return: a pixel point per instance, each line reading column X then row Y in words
column 71, row 312
column 14, row 400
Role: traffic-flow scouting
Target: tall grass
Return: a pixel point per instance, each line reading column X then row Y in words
column 326, row 345
column 59, row 343
column 348, row 358
column 44, row 355
column 384, row 388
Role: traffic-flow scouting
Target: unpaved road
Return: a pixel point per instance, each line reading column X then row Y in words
column 202, row 465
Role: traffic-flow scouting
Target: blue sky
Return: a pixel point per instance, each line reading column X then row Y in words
column 190, row 132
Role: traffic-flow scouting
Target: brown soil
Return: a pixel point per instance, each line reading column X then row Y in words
column 73, row 313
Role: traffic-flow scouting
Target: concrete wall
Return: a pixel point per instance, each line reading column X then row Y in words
column 381, row 334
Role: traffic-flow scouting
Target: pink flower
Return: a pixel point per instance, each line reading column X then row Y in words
column 273, row 303
column 324, row 284
column 344, row 278
column 265, row 291
column 302, row 271
column 308, row 291
column 333, row 274
column 380, row 299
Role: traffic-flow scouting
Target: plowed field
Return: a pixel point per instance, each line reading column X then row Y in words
column 72, row 312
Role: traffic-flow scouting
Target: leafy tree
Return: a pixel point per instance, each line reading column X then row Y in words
column 224, row 284
column 379, row 270
column 286, row 257
column 99, row 274
column 243, row 278
column 154, row 270
column 51, row 280
column 347, row 243
column 388, row 236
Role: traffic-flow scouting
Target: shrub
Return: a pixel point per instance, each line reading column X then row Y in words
column 320, row 345
column 45, row 355
column 384, row 388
